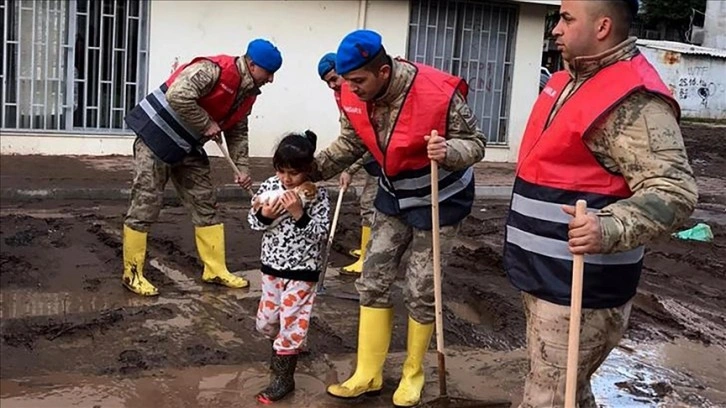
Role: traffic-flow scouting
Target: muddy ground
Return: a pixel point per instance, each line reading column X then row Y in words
column 72, row 336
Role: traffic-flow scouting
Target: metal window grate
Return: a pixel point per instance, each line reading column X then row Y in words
column 72, row 64
column 473, row 40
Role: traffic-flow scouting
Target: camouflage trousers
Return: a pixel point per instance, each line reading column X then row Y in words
column 367, row 196
column 547, row 334
column 191, row 180
column 390, row 238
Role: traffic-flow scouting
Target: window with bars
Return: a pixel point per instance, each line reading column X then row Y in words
column 75, row 65
column 475, row 41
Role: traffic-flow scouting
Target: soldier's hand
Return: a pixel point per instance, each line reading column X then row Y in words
column 345, row 179
column 243, row 180
column 213, row 131
column 436, row 147
column 292, row 203
column 584, row 234
column 272, row 208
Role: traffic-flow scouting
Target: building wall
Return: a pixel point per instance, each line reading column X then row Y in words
column 525, row 78
column 304, row 31
column 697, row 81
column 714, row 35
column 297, row 100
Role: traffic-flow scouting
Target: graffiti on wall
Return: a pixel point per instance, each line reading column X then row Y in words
column 697, row 83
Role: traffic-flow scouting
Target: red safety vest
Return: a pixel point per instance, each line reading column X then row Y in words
column 426, row 108
column 219, row 101
column 556, row 167
column 556, row 155
column 336, row 94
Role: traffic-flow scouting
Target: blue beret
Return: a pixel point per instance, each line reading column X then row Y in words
column 326, row 64
column 356, row 50
column 264, row 54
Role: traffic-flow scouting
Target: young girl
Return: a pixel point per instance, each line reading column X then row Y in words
column 292, row 246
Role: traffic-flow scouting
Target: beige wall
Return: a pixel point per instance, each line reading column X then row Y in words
column 304, row 31
column 698, row 82
column 715, row 25
column 525, row 78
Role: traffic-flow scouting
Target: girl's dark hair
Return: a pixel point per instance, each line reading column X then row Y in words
column 296, row 151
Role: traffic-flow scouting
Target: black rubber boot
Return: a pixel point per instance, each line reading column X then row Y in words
column 282, row 378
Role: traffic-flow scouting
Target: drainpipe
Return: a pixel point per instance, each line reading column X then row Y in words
column 362, row 11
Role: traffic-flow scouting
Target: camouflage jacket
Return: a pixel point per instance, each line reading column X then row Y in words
column 641, row 140
column 197, row 80
column 355, row 167
column 465, row 142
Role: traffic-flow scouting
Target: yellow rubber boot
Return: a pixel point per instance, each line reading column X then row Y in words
column 374, row 337
column 357, row 266
column 210, row 245
column 134, row 256
column 408, row 393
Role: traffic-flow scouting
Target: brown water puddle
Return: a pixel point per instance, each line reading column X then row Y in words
column 680, row 374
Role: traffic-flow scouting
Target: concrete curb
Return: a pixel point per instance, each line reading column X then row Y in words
column 225, row 193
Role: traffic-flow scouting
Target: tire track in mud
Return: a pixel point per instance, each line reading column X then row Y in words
column 216, row 326
column 172, row 277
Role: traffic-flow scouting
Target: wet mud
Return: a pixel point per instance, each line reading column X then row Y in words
column 70, row 334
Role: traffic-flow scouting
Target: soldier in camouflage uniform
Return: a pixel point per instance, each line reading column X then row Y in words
column 605, row 130
column 384, row 115
column 199, row 101
column 326, row 71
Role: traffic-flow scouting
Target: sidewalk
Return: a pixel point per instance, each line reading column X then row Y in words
column 109, row 178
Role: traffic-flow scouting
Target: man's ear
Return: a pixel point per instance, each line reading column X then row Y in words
column 604, row 28
column 385, row 71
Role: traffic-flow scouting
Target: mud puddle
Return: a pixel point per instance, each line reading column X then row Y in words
column 72, row 335
column 680, row 374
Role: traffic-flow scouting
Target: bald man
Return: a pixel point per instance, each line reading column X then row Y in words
column 604, row 130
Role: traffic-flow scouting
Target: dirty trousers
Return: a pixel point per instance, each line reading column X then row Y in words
column 547, row 334
column 390, row 237
column 191, row 180
column 284, row 312
column 367, row 196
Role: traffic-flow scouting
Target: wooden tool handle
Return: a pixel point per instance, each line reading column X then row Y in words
column 226, row 155
column 321, row 282
column 438, row 301
column 573, row 342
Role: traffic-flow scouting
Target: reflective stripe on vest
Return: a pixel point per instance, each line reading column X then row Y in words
column 167, row 135
column 555, row 248
column 161, row 128
column 173, row 126
column 416, row 192
column 537, row 258
column 406, row 172
column 556, row 167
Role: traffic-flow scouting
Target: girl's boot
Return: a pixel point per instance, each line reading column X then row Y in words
column 282, row 378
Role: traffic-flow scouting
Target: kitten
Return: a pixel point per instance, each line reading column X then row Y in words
column 306, row 191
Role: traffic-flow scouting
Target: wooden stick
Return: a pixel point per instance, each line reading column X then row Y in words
column 225, row 152
column 321, row 282
column 573, row 343
column 438, row 302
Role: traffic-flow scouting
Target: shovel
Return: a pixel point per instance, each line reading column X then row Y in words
column 321, row 283
column 326, row 254
column 573, row 342
column 225, row 152
column 444, row 400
